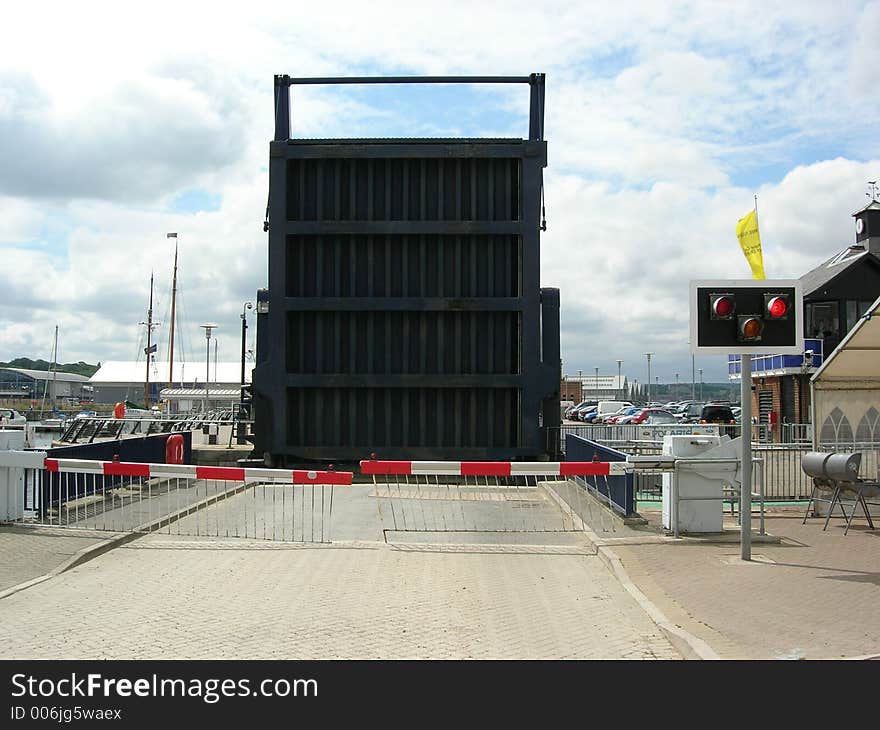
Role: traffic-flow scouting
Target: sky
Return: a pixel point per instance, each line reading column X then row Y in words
column 663, row 121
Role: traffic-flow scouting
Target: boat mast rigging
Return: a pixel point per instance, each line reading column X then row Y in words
column 54, row 369
column 173, row 303
column 150, row 348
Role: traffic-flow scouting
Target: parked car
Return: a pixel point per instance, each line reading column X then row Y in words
column 622, row 413
column 659, row 416
column 610, row 417
column 648, row 412
column 580, row 408
column 631, row 416
column 717, row 413
column 9, row 417
column 588, row 416
column 689, row 412
column 611, row 407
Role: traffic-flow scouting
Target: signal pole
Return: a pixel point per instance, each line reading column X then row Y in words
column 207, row 328
column 745, row 497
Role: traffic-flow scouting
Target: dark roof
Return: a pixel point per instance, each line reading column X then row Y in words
column 842, row 261
column 873, row 205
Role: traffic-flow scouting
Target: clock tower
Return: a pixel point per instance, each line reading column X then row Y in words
column 868, row 227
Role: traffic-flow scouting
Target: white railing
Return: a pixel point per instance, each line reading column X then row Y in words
column 271, row 504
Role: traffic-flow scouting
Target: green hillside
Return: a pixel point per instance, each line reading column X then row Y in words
column 77, row 368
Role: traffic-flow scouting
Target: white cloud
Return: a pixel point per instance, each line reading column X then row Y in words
column 662, row 121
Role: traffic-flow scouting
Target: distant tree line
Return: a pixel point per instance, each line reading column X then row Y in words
column 664, row 392
column 77, row 368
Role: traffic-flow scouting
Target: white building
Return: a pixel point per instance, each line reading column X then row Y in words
column 597, row 387
column 31, row 385
column 117, row 381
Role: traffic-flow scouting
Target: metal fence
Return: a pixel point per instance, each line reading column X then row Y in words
column 270, row 504
column 617, row 491
column 778, row 466
column 796, row 433
column 141, row 449
column 484, row 502
column 87, row 429
column 607, row 432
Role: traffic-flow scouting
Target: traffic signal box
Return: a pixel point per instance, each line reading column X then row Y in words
column 746, row 316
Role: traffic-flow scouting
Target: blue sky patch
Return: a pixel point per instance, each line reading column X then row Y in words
column 425, row 110
column 196, row 200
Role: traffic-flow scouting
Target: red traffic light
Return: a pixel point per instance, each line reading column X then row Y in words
column 723, row 306
column 776, row 306
column 750, row 328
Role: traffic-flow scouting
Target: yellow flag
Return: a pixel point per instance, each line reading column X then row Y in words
column 750, row 242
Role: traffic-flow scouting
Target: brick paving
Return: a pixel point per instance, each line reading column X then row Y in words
column 159, row 597
column 814, row 595
column 29, row 552
column 818, row 597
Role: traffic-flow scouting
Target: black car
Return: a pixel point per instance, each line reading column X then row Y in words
column 717, row 413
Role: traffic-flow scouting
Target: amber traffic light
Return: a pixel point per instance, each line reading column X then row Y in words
column 749, row 328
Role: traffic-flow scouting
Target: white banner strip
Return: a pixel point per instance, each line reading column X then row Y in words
column 181, row 471
column 80, row 465
column 536, row 468
column 277, row 475
column 436, row 467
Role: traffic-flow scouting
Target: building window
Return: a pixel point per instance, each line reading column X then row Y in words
column 836, row 430
column 822, row 319
column 869, row 427
column 855, row 310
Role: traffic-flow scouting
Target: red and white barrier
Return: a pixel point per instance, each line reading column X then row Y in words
column 187, row 471
column 496, row 468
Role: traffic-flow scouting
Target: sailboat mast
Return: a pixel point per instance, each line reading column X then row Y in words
column 52, row 367
column 55, row 369
column 173, row 303
column 149, row 345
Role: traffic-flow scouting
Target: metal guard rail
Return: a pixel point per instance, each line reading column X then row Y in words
column 495, row 468
column 187, row 471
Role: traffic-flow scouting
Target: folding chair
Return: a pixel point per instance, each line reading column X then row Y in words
column 813, row 464
column 838, row 474
column 824, row 486
column 859, row 490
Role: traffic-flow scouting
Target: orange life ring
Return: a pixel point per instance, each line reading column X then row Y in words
column 174, row 449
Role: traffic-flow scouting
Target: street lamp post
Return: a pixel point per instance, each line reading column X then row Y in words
column 619, row 384
column 207, row 328
column 701, row 385
column 596, row 383
column 240, row 433
column 693, row 380
column 676, row 386
column 648, row 355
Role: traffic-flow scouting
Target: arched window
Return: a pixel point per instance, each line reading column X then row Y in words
column 869, row 427
column 836, row 430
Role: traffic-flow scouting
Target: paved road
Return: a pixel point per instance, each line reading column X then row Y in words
column 29, row 552
column 171, row 597
column 813, row 596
